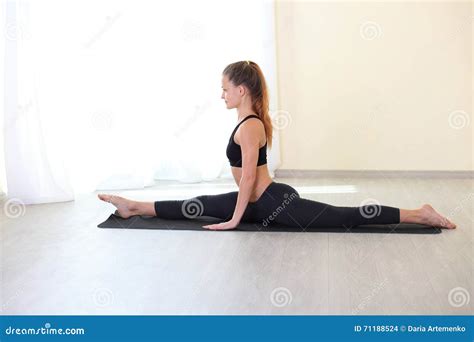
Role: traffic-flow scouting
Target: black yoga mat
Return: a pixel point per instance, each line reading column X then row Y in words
column 152, row 222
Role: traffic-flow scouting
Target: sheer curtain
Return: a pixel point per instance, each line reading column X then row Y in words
column 2, row 97
column 116, row 94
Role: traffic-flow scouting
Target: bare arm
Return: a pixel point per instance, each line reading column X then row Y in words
column 249, row 145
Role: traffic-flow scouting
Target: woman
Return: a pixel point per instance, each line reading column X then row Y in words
column 259, row 198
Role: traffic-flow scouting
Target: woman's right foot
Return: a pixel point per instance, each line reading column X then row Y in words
column 431, row 217
column 125, row 207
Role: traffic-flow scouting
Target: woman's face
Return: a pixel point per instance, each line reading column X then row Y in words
column 231, row 94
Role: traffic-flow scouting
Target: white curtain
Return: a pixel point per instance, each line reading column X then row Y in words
column 109, row 94
column 2, row 102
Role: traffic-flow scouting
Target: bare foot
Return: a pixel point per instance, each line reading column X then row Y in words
column 431, row 217
column 125, row 207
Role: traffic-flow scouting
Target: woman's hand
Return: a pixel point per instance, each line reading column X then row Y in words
column 222, row 226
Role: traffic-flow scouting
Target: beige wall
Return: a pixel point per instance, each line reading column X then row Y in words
column 358, row 103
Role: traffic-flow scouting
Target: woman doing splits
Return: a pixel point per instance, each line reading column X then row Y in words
column 260, row 199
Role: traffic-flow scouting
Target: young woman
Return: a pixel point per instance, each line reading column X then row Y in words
column 260, row 199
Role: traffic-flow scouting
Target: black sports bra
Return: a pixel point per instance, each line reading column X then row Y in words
column 234, row 153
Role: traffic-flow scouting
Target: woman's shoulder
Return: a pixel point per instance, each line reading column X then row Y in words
column 252, row 124
column 251, row 127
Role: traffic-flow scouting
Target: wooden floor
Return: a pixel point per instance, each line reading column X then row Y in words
column 56, row 261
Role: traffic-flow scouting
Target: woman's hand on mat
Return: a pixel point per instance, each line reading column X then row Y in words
column 223, row 225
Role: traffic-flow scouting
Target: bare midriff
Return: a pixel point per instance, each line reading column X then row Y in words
column 262, row 181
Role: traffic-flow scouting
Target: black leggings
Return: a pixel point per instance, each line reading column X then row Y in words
column 281, row 204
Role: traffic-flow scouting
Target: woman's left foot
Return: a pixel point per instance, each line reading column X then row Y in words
column 125, row 207
column 431, row 217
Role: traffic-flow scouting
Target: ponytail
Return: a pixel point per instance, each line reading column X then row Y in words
column 248, row 73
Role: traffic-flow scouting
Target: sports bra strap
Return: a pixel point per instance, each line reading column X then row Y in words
column 241, row 122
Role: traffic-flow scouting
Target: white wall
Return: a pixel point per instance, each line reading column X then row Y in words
column 364, row 96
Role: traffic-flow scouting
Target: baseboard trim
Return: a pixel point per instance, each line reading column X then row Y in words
column 288, row 173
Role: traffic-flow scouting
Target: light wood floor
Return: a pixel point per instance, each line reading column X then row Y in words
column 56, row 261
